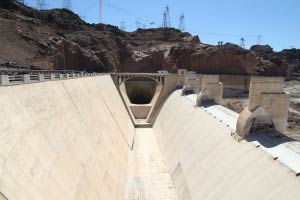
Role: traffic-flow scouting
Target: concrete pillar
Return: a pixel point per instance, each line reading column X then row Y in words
column 41, row 77
column 81, row 74
column 4, row 79
column 52, row 77
column 267, row 104
column 67, row 76
column 182, row 71
column 61, row 76
column 192, row 83
column 26, row 78
column 211, row 90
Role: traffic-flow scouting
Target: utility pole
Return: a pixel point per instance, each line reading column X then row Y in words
column 100, row 11
column 67, row 4
column 259, row 39
column 166, row 18
column 242, row 43
column 181, row 26
column 41, row 4
column 123, row 26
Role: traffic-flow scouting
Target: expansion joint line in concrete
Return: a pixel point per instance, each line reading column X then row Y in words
column 122, row 133
column 2, row 197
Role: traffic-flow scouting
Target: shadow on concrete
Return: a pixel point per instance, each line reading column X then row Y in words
column 269, row 139
column 207, row 104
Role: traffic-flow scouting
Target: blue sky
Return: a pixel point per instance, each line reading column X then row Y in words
column 213, row 20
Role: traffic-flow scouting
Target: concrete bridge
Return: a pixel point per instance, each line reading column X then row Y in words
column 139, row 136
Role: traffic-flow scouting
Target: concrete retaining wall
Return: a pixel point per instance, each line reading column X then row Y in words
column 205, row 162
column 64, row 140
column 235, row 82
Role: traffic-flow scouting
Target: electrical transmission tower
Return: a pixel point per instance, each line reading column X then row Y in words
column 22, row 1
column 100, row 11
column 181, row 26
column 259, row 39
column 123, row 26
column 41, row 4
column 242, row 43
column 67, row 4
column 166, row 18
column 138, row 24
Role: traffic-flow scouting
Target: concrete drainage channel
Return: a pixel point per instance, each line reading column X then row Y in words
column 148, row 177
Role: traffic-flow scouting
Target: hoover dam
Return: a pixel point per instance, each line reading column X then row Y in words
column 144, row 137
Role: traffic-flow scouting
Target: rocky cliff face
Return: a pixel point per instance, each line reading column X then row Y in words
column 59, row 39
column 288, row 57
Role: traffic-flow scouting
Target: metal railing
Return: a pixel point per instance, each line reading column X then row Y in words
column 6, row 80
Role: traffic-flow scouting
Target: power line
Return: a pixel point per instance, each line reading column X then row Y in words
column 181, row 26
column 67, row 4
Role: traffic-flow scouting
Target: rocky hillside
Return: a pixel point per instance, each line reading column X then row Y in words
column 59, row 39
column 289, row 56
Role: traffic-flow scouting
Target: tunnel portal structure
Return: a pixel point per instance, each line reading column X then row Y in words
column 143, row 136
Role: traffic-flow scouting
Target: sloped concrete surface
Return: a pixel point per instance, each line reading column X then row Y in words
column 212, row 164
column 279, row 146
column 64, row 140
column 148, row 177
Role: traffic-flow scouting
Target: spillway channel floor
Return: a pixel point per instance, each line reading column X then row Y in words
column 148, row 178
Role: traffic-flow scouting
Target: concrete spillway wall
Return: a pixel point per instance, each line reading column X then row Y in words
column 64, row 140
column 71, row 140
column 205, row 162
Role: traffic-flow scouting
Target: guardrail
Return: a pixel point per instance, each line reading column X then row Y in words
column 6, row 80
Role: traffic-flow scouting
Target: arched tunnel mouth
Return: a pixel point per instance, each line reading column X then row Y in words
column 140, row 90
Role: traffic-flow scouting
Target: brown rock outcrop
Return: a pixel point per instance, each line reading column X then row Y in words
column 59, row 39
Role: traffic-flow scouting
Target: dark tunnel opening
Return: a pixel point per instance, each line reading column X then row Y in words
column 140, row 90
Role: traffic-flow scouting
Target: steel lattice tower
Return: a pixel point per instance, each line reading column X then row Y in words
column 41, row 4
column 242, row 43
column 181, row 23
column 259, row 39
column 100, row 11
column 21, row 1
column 138, row 24
column 166, row 18
column 67, row 4
column 123, row 26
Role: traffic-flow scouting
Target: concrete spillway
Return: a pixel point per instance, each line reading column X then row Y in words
column 74, row 139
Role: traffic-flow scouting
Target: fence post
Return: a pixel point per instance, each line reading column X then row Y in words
column 52, row 77
column 26, row 78
column 4, row 79
column 41, row 77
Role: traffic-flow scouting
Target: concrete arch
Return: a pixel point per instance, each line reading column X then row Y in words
column 157, row 79
column 257, row 120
